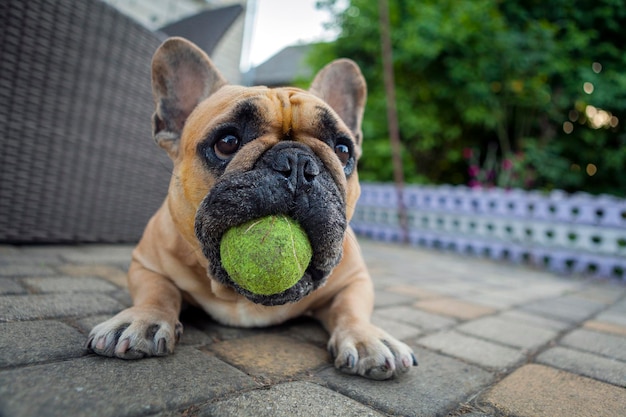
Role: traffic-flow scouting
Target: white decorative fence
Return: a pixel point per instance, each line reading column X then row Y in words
column 577, row 233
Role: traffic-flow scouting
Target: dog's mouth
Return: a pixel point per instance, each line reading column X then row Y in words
column 316, row 204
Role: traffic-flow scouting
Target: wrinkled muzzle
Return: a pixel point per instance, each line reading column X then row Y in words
column 288, row 179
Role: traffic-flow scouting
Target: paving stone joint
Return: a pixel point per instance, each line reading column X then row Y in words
column 492, row 339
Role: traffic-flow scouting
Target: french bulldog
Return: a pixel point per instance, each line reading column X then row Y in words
column 242, row 153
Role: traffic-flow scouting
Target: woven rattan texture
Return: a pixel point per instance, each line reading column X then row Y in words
column 77, row 162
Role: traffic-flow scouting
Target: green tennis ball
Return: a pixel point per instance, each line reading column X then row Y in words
column 266, row 256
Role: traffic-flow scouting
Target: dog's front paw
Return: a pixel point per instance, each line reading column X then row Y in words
column 370, row 352
column 136, row 333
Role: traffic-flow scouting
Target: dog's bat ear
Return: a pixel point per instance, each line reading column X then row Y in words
column 342, row 86
column 182, row 76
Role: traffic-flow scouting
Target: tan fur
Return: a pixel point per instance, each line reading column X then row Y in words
column 168, row 264
column 190, row 183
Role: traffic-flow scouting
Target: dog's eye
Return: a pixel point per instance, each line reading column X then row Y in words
column 226, row 146
column 343, row 152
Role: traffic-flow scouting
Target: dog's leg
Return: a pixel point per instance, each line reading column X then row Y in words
column 356, row 345
column 150, row 327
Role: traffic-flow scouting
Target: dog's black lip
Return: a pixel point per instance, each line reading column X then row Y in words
column 312, row 278
column 296, row 292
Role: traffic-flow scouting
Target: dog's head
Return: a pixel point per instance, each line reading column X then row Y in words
column 244, row 153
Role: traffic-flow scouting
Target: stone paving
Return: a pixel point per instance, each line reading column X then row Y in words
column 492, row 339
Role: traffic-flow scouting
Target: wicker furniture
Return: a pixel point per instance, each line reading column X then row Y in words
column 77, row 162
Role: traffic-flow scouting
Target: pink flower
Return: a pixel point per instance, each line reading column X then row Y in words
column 507, row 164
column 473, row 170
column 467, row 153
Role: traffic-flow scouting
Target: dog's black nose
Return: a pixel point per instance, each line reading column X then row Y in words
column 298, row 167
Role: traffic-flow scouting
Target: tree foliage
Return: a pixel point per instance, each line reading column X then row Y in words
column 529, row 93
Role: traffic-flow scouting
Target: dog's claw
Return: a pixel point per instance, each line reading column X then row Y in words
column 122, row 347
column 161, row 347
column 414, row 360
column 350, row 361
column 88, row 342
column 100, row 343
column 348, row 364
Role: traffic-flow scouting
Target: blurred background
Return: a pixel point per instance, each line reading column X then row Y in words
column 518, row 94
column 521, row 102
column 525, row 94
